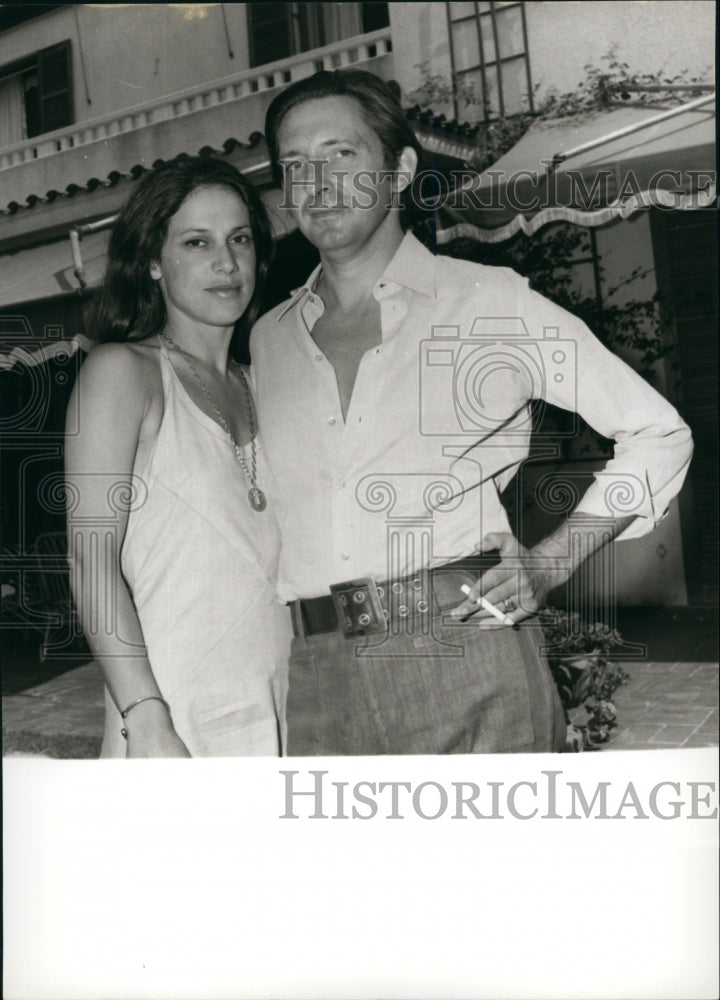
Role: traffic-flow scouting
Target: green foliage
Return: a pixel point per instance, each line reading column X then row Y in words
column 438, row 89
column 578, row 654
column 602, row 89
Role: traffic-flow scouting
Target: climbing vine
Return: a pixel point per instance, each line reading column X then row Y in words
column 603, row 88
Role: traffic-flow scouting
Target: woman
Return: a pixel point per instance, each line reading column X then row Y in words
column 172, row 533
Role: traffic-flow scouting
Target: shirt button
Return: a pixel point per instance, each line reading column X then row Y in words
column 377, row 350
column 319, row 357
column 344, row 555
column 331, row 421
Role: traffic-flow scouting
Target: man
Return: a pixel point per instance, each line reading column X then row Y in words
column 394, row 395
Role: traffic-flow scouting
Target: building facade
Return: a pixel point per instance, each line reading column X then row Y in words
column 91, row 96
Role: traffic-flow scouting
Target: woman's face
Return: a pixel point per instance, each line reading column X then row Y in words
column 207, row 264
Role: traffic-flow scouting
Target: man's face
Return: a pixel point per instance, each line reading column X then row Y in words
column 336, row 178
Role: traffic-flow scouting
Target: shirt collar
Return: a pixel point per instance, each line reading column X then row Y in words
column 413, row 267
column 298, row 294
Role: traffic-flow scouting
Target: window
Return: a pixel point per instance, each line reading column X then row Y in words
column 279, row 30
column 36, row 94
column 489, row 54
column 12, row 14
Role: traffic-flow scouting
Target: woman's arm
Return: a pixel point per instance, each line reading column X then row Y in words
column 107, row 413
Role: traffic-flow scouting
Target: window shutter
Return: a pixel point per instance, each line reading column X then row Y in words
column 280, row 30
column 270, row 37
column 686, row 257
column 55, row 96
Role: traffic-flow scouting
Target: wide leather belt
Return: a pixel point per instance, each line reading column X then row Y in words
column 363, row 607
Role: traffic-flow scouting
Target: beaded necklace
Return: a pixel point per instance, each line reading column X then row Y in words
column 256, row 496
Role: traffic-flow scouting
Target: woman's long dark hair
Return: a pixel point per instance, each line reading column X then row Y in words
column 129, row 305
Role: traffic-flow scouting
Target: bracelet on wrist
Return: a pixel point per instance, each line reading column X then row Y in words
column 126, row 711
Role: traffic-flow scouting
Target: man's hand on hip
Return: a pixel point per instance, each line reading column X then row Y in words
column 517, row 587
column 520, row 583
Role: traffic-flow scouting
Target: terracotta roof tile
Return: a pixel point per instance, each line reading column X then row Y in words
column 115, row 176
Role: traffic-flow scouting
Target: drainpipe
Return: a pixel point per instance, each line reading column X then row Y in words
column 76, row 235
column 78, row 269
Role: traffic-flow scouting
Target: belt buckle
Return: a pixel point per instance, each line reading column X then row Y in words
column 358, row 608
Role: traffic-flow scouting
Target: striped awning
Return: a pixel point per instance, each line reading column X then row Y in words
column 589, row 171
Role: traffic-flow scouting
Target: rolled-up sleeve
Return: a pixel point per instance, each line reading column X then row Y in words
column 653, row 445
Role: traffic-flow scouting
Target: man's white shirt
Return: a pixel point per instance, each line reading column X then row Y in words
column 439, row 421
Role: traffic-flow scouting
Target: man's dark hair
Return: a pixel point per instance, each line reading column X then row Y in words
column 378, row 104
column 129, row 305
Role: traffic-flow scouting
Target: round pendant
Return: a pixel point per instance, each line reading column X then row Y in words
column 257, row 499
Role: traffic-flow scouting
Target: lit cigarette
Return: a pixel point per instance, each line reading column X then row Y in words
column 487, row 606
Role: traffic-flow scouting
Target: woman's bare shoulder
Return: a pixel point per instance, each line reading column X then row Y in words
column 128, row 367
column 117, row 398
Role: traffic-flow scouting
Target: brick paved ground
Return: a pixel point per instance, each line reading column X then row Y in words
column 670, row 701
column 62, row 717
column 667, row 705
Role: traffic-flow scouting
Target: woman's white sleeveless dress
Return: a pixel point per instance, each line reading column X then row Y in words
column 200, row 564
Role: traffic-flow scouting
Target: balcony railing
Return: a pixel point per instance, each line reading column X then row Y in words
column 360, row 49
